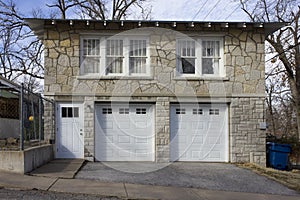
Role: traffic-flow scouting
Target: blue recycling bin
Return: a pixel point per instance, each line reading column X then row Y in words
column 277, row 155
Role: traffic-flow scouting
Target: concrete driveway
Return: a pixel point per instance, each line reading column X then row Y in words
column 211, row 176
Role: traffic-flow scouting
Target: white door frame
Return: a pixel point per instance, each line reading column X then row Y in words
column 74, row 146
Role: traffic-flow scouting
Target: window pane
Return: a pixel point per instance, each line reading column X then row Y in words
column 114, row 65
column 188, row 65
column 76, row 112
column 91, row 55
column 187, row 48
column 91, row 64
column 210, row 57
column 63, row 112
column 137, row 65
column 138, row 56
column 207, row 66
column 114, row 47
column 114, row 56
column 70, row 112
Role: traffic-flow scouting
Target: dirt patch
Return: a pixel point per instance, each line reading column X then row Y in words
column 290, row 179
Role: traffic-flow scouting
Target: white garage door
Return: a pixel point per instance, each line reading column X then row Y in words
column 199, row 132
column 124, row 132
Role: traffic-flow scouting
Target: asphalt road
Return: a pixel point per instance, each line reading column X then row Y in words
column 212, row 176
column 38, row 195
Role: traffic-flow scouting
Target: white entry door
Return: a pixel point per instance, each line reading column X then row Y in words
column 199, row 132
column 124, row 132
column 70, row 133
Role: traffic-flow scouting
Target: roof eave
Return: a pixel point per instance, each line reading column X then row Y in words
column 37, row 25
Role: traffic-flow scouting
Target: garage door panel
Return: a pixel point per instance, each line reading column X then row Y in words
column 204, row 136
column 124, row 125
column 198, row 125
column 197, row 139
column 131, row 137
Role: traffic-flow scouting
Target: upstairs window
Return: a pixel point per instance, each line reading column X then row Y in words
column 200, row 57
column 138, row 56
column 210, row 57
column 109, row 56
column 114, row 56
column 186, row 57
column 91, row 55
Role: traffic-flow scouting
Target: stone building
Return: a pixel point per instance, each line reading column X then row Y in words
column 156, row 91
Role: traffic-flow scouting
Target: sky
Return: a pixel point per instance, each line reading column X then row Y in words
column 181, row 10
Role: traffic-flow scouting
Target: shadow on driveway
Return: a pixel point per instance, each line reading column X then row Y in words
column 212, row 176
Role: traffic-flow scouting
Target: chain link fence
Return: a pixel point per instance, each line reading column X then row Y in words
column 22, row 121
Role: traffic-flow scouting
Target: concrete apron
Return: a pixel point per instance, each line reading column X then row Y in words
column 59, row 168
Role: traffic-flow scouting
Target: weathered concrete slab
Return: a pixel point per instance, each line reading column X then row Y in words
column 14, row 180
column 158, row 192
column 89, row 187
column 64, row 168
column 224, row 195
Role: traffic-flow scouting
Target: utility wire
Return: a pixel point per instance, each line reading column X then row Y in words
column 200, row 10
column 211, row 10
column 238, row 6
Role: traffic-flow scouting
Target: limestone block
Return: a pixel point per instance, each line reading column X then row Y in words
column 228, row 40
column 217, row 88
column 255, row 75
column 64, row 35
column 248, row 60
column 62, row 79
column 50, row 80
column 246, row 68
column 250, row 47
column 240, row 78
column 257, row 38
column 74, row 61
column 249, row 88
column 53, row 35
column 63, row 60
column 243, row 36
column 54, row 88
column 237, row 88
column 65, row 43
column 261, row 48
column 53, row 53
column 240, row 60
column 49, row 44
column 236, row 51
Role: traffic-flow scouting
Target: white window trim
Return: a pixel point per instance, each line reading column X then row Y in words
column 82, row 54
column 198, row 54
column 102, row 68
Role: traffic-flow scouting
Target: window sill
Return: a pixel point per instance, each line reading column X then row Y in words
column 201, row 78
column 95, row 77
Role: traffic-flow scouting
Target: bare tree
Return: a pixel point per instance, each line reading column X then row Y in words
column 104, row 9
column 20, row 50
column 64, row 6
column 284, row 42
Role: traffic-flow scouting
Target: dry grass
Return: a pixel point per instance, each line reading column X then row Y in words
column 290, row 179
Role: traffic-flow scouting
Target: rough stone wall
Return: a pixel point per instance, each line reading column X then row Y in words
column 89, row 142
column 49, row 121
column 243, row 62
column 246, row 139
column 162, row 130
column 244, row 55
